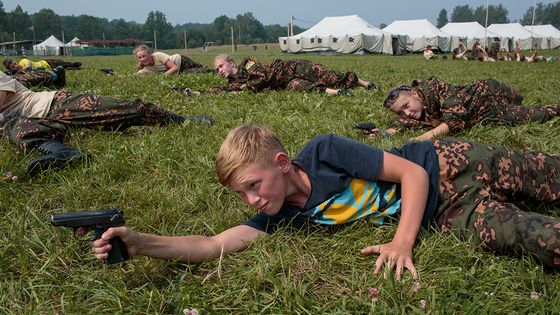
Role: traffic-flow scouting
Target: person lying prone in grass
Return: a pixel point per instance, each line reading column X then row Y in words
column 335, row 180
column 448, row 109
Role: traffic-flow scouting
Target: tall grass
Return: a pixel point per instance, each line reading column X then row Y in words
column 164, row 181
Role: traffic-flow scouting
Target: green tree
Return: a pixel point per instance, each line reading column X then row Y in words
column 544, row 14
column 90, row 27
column 18, row 21
column 496, row 14
column 250, row 30
column 46, row 23
column 462, row 13
column 220, row 30
column 442, row 19
column 157, row 22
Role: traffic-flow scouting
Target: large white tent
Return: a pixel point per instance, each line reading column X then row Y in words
column 341, row 34
column 550, row 35
column 420, row 33
column 472, row 32
column 526, row 39
column 49, row 47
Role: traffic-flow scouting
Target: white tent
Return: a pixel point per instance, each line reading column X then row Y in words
column 549, row 34
column 49, row 47
column 472, row 32
column 341, row 34
column 519, row 34
column 420, row 33
column 73, row 43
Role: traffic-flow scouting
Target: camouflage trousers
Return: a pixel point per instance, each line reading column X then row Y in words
column 479, row 185
column 65, row 64
column 83, row 111
column 190, row 66
column 303, row 75
column 515, row 114
column 39, row 78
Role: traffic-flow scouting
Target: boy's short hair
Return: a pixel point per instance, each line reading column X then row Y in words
column 243, row 146
column 7, row 63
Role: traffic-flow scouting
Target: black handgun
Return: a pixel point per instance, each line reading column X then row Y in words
column 368, row 126
column 97, row 221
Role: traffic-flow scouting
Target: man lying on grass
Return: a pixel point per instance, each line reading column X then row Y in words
column 446, row 108
column 334, row 180
column 39, row 120
column 293, row 74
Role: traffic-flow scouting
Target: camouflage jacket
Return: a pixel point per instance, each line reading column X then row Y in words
column 459, row 107
column 252, row 75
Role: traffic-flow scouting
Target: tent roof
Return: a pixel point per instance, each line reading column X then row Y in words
column 341, row 26
column 415, row 28
column 52, row 41
column 544, row 30
column 514, row 30
column 468, row 29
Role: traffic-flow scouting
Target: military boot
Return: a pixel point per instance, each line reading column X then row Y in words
column 57, row 156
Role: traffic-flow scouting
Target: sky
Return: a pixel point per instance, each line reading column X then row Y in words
column 306, row 12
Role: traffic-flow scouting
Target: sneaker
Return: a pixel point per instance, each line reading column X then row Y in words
column 343, row 92
column 200, row 119
column 372, row 86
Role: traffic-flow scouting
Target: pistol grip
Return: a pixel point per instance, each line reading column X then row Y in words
column 118, row 252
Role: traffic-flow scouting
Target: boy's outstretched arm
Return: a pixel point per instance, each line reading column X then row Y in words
column 190, row 249
column 414, row 193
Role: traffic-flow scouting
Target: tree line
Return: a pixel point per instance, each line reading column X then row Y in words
column 246, row 28
column 544, row 14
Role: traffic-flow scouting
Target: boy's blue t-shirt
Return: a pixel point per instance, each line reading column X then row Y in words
column 345, row 185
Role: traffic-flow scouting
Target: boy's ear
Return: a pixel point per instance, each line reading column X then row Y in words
column 282, row 160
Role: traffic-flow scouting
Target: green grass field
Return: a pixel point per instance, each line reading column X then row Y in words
column 164, row 181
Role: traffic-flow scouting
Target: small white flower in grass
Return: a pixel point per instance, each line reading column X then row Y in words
column 422, row 304
column 191, row 311
column 374, row 293
column 14, row 178
column 534, row 296
column 8, row 175
column 415, row 288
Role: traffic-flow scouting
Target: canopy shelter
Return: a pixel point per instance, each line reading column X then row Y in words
column 473, row 32
column 340, row 34
column 75, row 42
column 421, row 33
column 49, row 47
column 518, row 33
column 549, row 34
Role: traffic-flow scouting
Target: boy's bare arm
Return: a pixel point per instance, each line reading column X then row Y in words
column 440, row 130
column 414, row 193
column 190, row 249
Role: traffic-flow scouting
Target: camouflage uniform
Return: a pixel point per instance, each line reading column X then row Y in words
column 494, row 50
column 294, row 74
column 190, row 66
column 38, row 78
column 460, row 107
column 65, row 64
column 83, row 110
column 478, row 184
